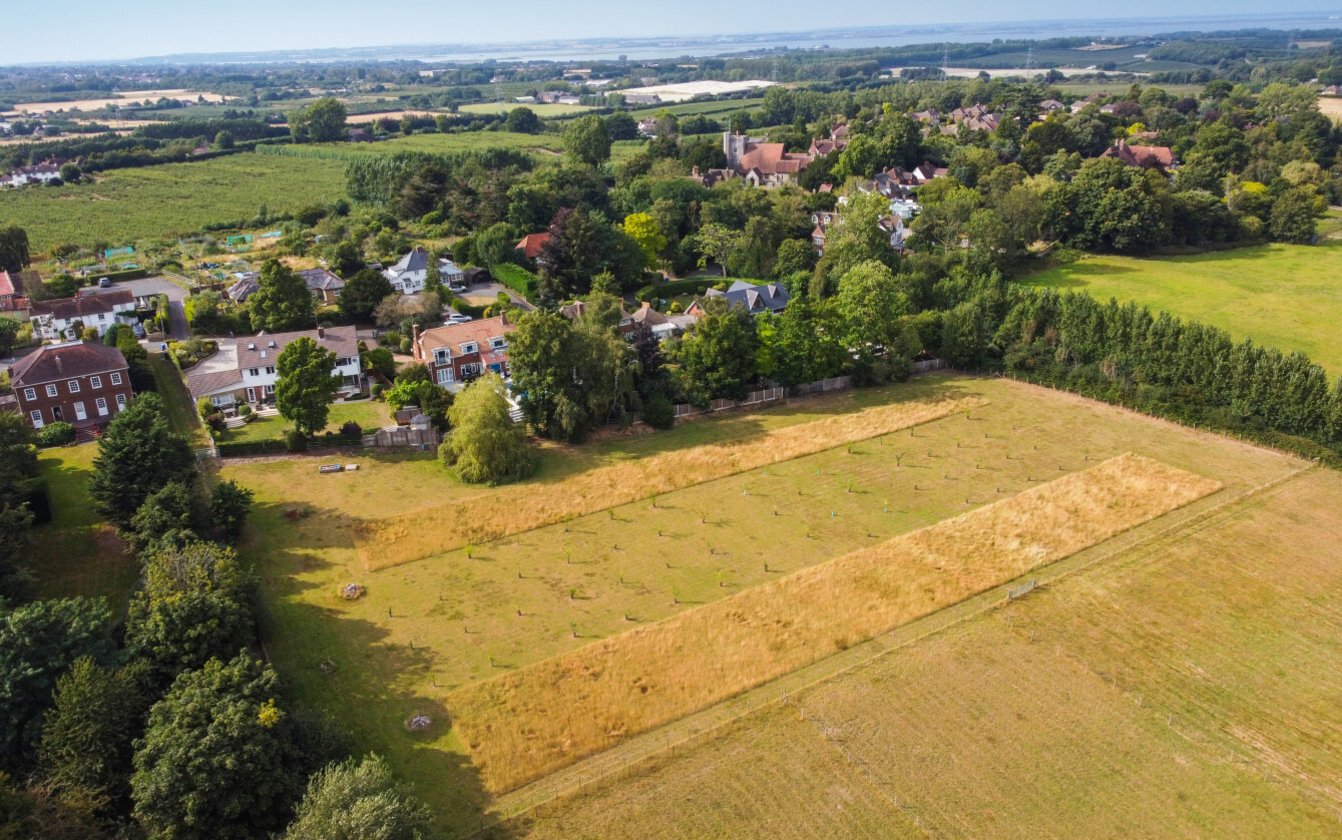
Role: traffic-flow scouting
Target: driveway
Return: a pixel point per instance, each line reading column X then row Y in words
column 481, row 294
column 177, row 329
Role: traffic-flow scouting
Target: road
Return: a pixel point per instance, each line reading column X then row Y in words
column 177, row 329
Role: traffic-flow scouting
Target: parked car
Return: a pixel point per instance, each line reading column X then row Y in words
column 456, row 318
column 455, row 288
column 138, row 329
column 104, row 282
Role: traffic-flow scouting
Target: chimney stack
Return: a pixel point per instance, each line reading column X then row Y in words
column 321, row 333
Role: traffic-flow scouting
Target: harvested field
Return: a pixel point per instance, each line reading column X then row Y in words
column 1331, row 106
column 526, row 724
column 424, row 533
column 1186, row 688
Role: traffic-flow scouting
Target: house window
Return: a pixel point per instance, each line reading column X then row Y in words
column 101, row 404
column 441, row 356
column 120, row 401
column 254, row 372
column 74, row 386
column 470, row 348
column 270, row 390
column 95, row 382
column 51, row 390
column 270, row 369
column 497, row 343
column 444, row 375
column 36, row 416
column 116, row 379
column 30, row 394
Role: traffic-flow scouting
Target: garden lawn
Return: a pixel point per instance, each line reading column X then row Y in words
column 77, row 553
column 371, row 415
column 1284, row 296
column 182, row 413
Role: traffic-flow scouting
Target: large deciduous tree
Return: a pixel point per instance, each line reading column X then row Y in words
column 306, row 386
column 138, row 454
column 14, row 255
column 194, row 604
column 359, row 801
column 717, row 357
column 485, row 446
column 218, row 757
column 321, row 122
column 587, row 140
column 282, row 300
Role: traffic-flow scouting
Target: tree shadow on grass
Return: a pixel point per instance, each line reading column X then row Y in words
column 347, row 669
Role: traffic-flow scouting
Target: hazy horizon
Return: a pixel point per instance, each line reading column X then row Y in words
column 162, row 28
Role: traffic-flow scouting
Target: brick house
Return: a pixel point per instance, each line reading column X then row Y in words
column 85, row 384
column 9, row 292
column 457, row 353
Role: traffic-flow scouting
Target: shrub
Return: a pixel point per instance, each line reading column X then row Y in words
column 204, row 407
column 245, row 410
column 392, row 338
column 294, row 441
column 55, row 434
column 659, row 412
column 351, row 430
column 377, row 390
column 216, row 421
column 405, row 347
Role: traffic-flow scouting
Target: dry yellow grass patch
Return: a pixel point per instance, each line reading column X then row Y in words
column 524, row 725
column 513, row 510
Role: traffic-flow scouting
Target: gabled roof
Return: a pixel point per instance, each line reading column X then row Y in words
column 6, row 284
column 1161, row 157
column 214, row 382
column 453, row 336
column 262, row 349
column 772, row 297
column 65, row 361
column 531, row 244
column 82, row 306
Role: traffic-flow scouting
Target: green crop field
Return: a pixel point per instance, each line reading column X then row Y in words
column 708, row 108
column 430, row 628
column 469, row 141
column 1286, row 296
column 541, row 109
column 127, row 205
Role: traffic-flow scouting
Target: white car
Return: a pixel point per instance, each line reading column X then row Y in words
column 456, row 288
column 456, row 318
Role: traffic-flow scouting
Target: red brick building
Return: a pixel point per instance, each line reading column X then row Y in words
column 85, row 384
column 457, row 353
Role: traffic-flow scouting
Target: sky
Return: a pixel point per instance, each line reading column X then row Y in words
column 72, row 30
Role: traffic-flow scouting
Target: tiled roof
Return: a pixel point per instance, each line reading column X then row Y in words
column 531, row 244
column 6, row 284
column 416, row 260
column 65, row 361
column 205, row 384
column 321, row 280
column 453, row 336
column 262, row 349
column 67, row 309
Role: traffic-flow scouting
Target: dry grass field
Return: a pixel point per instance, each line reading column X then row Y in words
column 1331, row 106
column 524, row 725
column 428, row 629
column 1184, row 688
column 424, row 533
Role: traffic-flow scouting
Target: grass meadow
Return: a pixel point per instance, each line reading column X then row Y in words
column 1185, row 687
column 429, row 630
column 524, row 725
column 541, row 109
column 127, row 205
column 1284, row 296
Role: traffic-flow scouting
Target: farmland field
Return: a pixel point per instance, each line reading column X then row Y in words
column 131, row 204
column 1331, row 106
column 431, row 632
column 1285, row 296
column 541, row 109
column 1182, row 688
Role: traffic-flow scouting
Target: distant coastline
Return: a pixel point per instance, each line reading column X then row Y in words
column 716, row 45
